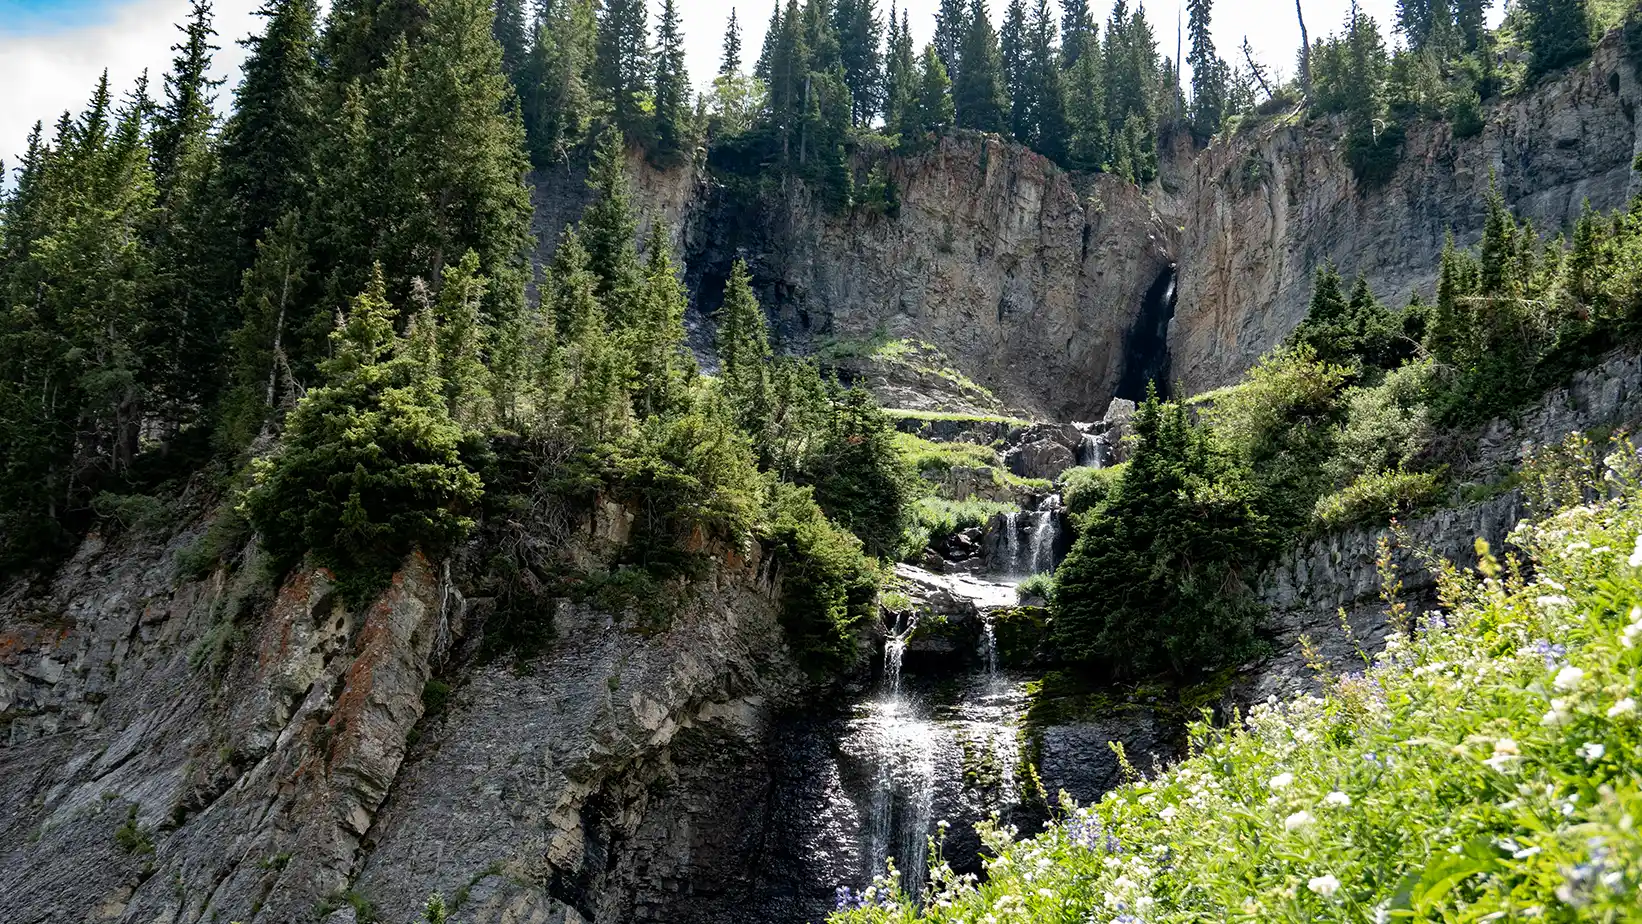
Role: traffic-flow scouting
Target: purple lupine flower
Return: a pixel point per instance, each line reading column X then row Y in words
column 1552, row 654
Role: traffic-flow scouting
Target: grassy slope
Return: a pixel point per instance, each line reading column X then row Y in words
column 1487, row 767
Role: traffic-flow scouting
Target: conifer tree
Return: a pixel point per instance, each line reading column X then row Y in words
column 860, row 37
column 730, row 61
column 462, row 340
column 595, row 370
column 1086, row 111
column 951, row 23
column 1049, row 128
column 624, row 64
column 557, row 100
column 1471, row 17
column 763, row 68
column 197, row 266
column 788, row 63
column 934, row 112
column 267, row 144
column 360, row 34
column 264, row 382
column 1079, row 33
column 1558, row 33
column 1208, row 73
column 1012, row 51
column 900, row 77
column 663, row 364
column 978, row 93
column 608, row 232
column 744, row 355
column 672, row 88
column 513, row 35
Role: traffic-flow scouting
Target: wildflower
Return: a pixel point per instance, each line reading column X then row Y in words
column 1298, row 820
column 1635, row 560
column 1505, row 755
column 1592, row 751
column 1167, row 814
column 1325, row 885
column 1558, row 715
column 1552, row 654
column 1631, row 634
column 1337, row 798
column 1553, row 602
column 1626, row 706
column 1281, row 781
column 1567, row 680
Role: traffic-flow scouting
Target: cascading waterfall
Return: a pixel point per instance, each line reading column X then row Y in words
column 902, row 743
column 1028, row 541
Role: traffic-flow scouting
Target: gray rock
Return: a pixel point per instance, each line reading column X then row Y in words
column 1047, row 459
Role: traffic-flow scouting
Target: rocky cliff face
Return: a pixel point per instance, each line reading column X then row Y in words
column 1029, row 278
column 1274, row 203
column 188, row 751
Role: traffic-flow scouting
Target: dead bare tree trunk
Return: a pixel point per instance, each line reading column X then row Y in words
column 1305, row 50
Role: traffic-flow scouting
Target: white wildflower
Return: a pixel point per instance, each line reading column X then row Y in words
column 1167, row 814
column 1325, row 885
column 1592, row 751
column 1298, row 820
column 1626, row 706
column 1567, row 680
column 1337, row 798
column 1553, row 602
column 1281, row 781
column 1636, row 556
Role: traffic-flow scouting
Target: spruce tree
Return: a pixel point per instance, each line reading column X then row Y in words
column 730, row 61
column 1471, row 17
column 624, row 68
column 788, row 65
column 264, row 382
column 672, row 89
column 268, row 143
column 744, row 354
column 1086, row 111
column 557, row 99
column 951, row 23
column 513, row 35
column 978, row 93
column 1079, row 33
column 1049, row 127
column 662, row 362
column 1208, row 73
column 1558, row 33
column 860, row 38
column 900, row 78
column 596, row 372
column 1012, row 51
column 934, row 112
column 608, row 231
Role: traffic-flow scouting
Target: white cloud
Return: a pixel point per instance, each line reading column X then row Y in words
column 46, row 73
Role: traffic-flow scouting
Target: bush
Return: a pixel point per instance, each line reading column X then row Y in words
column 1155, row 581
column 1086, row 489
column 859, row 476
column 1387, row 427
column 829, row 586
column 931, row 519
column 1378, row 498
column 372, row 465
column 1038, row 585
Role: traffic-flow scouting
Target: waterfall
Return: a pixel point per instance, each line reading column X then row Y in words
column 1027, row 541
column 901, row 810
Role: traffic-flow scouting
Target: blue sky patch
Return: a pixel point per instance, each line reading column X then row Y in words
column 39, row 17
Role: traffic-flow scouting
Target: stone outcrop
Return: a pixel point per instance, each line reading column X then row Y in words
column 202, row 750
column 1029, row 278
column 1276, row 201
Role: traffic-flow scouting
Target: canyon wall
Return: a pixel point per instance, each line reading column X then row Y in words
column 1270, row 205
column 198, row 750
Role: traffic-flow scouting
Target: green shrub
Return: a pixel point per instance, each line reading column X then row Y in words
column 1378, row 498
column 829, row 586
column 139, row 513
column 923, row 456
column 1387, row 427
column 859, row 475
column 1085, row 489
column 372, row 465
column 1156, row 580
column 1038, row 585
column 931, row 519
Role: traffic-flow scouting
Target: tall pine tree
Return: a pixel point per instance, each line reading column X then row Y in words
column 624, row 68
column 671, row 99
column 978, row 93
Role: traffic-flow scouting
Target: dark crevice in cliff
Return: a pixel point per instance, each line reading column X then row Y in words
column 1146, row 350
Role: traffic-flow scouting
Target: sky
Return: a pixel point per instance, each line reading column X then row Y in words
column 51, row 51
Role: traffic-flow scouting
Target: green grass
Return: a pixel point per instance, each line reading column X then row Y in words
column 927, row 456
column 1487, row 766
column 907, row 414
